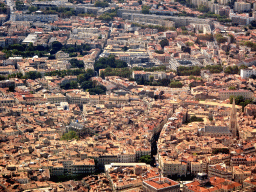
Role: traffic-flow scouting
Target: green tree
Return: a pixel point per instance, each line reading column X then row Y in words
column 75, row 63
column 70, row 135
column 145, row 159
column 69, row 85
column 33, row 75
column 102, row 4
column 109, row 61
column 175, row 84
column 56, row 46
column 164, row 43
column 231, row 70
column 232, row 88
column 192, row 77
column 220, row 39
column 145, row 9
column 19, row 5
column 214, row 68
column 240, row 100
column 203, row 8
column 12, row 88
column 87, row 85
column 220, row 150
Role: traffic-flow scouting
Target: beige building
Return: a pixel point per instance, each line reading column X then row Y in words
column 162, row 184
column 55, row 98
column 241, row 172
column 172, row 167
column 225, row 94
column 220, row 170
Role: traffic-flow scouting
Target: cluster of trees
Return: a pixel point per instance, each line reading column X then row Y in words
column 66, row 72
column 253, row 77
column 219, row 18
column 33, row 75
column 3, row 8
column 85, row 82
column 13, row 75
column 186, row 2
column 32, row 9
column 231, row 4
column 232, row 70
column 85, row 76
column 19, row 5
column 214, row 68
column 145, row 9
column 25, row 50
column 152, row 82
column 122, row 72
column 145, row 159
column 102, row 4
column 175, row 84
column 196, row 70
column 232, row 88
column 183, row 13
column 70, row 135
column 64, row 12
column 109, row 16
column 151, row 69
column 158, row 27
column 31, row 50
column 240, row 100
column 109, row 61
column 81, row 49
column 164, row 43
column 65, row 177
column 195, row 78
column 69, row 85
column 76, row 1
column 220, row 150
column 76, row 64
column 194, row 119
column 207, row 37
column 203, row 8
column 97, row 90
column 186, row 71
column 159, row 51
column 220, row 39
column 250, row 44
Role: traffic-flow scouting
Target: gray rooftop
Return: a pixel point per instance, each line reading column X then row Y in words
column 216, row 129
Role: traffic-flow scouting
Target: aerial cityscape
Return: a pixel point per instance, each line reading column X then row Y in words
column 127, row 95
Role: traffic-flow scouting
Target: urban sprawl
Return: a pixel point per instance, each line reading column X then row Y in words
column 128, row 95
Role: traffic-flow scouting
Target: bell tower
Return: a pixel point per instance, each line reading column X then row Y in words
column 233, row 120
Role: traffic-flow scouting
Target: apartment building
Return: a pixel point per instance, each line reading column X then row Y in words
column 162, row 184
column 73, row 167
column 147, row 75
column 198, row 167
column 220, row 170
column 34, row 17
column 225, row 94
column 171, row 167
column 241, row 6
column 246, row 73
column 55, row 98
column 6, row 83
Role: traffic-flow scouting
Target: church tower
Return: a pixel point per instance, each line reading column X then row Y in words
column 233, row 120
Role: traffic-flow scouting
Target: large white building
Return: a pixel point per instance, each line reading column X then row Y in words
column 242, row 6
column 176, row 63
column 246, row 73
column 34, row 17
